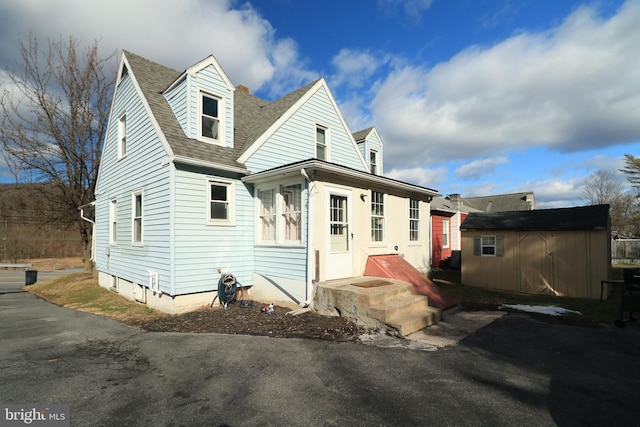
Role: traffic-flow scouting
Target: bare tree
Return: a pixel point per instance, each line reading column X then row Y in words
column 602, row 187
column 54, row 116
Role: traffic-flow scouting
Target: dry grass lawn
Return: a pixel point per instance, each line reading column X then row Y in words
column 80, row 291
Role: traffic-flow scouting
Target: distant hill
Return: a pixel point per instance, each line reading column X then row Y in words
column 33, row 226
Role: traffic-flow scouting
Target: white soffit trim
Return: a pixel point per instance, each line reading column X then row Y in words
column 338, row 170
column 206, row 164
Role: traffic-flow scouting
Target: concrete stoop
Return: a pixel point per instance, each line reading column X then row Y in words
column 377, row 303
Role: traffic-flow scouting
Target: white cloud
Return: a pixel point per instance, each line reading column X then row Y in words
column 572, row 88
column 419, row 176
column 353, row 67
column 479, row 168
column 176, row 34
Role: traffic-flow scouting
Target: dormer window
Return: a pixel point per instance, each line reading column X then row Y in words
column 373, row 161
column 210, row 121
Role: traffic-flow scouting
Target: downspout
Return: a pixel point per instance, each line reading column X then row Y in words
column 93, row 229
column 310, row 258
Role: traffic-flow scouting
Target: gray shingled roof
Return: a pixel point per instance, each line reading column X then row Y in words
column 579, row 218
column 362, row 134
column 445, row 205
column 252, row 115
column 500, row 202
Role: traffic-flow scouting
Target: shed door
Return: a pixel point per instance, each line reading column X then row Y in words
column 535, row 264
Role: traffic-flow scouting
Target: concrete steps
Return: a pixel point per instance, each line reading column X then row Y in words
column 390, row 304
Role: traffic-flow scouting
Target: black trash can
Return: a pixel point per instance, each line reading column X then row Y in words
column 30, row 277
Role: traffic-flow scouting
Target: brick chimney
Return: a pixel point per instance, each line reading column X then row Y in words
column 455, row 199
column 243, row 88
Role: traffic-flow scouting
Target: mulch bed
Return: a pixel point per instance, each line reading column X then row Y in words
column 253, row 321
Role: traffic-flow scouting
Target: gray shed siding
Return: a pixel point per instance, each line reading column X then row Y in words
column 141, row 169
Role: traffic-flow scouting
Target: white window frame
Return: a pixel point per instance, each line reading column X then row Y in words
column 414, row 220
column 268, row 215
column 488, row 245
column 318, row 143
column 280, row 213
column 221, row 114
column 377, row 213
column 229, row 202
column 285, row 212
column 122, row 136
column 137, row 221
column 373, row 161
column 113, row 222
column 446, row 234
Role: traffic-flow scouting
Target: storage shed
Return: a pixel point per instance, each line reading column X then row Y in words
column 563, row 252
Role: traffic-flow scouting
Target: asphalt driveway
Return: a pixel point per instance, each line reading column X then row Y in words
column 518, row 370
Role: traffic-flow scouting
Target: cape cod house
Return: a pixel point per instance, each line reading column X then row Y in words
column 199, row 176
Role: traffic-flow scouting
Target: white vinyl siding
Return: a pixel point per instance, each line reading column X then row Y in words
column 141, row 169
column 301, row 126
column 201, row 247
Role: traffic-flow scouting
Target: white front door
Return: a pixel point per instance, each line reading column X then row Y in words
column 339, row 252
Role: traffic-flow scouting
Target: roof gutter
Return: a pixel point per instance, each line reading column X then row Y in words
column 212, row 165
column 336, row 169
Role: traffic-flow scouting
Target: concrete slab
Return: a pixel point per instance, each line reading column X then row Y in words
column 453, row 328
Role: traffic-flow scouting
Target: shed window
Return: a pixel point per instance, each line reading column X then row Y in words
column 488, row 245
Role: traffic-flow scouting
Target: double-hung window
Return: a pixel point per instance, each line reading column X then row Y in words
column 321, row 143
column 137, row 217
column 377, row 216
column 292, row 212
column 113, row 222
column 280, row 214
column 445, row 233
column 220, row 202
column 210, row 117
column 373, row 161
column 267, row 214
column 488, row 245
column 414, row 220
column 122, row 136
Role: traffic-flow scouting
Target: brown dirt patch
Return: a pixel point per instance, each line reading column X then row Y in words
column 237, row 320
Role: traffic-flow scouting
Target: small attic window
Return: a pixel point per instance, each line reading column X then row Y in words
column 124, row 72
column 210, row 117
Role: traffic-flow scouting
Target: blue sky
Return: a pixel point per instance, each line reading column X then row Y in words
column 476, row 97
